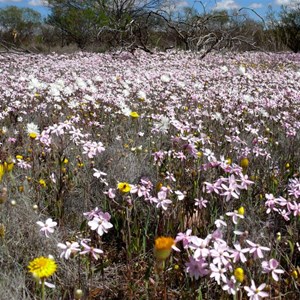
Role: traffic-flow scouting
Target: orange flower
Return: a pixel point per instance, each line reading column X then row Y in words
column 162, row 247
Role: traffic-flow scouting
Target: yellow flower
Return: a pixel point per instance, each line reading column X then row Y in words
column 42, row 182
column 241, row 211
column 239, row 274
column 124, row 187
column 42, row 267
column 19, row 157
column 162, row 247
column 134, row 115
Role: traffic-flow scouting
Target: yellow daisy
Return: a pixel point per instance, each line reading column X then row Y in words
column 42, row 267
column 124, row 187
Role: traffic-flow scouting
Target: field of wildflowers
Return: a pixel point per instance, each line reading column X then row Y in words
column 150, row 176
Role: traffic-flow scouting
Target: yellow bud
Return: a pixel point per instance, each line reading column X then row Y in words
column 244, row 163
column 239, row 274
column 158, row 186
column 295, row 274
column 2, row 231
column 78, row 294
column 2, row 171
column 229, row 161
column 8, row 166
column 278, row 236
column 199, row 154
column 287, row 165
column 241, row 211
column 3, row 195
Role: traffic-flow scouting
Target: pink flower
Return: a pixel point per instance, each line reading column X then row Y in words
column 184, row 237
column 94, row 252
column 100, row 223
column 161, row 199
column 270, row 266
column 200, row 202
column 230, row 286
column 197, row 267
column 256, row 249
column 220, row 253
column 68, row 249
column 235, row 215
column 47, row 227
column 232, row 190
column 200, row 247
column 255, row 293
column 238, row 253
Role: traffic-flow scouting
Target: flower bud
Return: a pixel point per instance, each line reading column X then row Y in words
column 239, row 274
column 78, row 294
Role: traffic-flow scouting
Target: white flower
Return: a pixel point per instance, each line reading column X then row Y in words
column 218, row 273
column 224, row 69
column 98, row 173
column 163, row 124
column 33, row 128
column 242, row 70
column 141, row 95
column 47, row 227
column 126, row 93
column 165, row 78
column 125, row 110
column 180, row 195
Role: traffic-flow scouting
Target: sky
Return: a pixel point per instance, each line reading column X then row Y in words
column 259, row 6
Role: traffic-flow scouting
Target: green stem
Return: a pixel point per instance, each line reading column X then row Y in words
column 43, row 289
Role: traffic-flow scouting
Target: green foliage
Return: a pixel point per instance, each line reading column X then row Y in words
column 19, row 19
column 289, row 28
